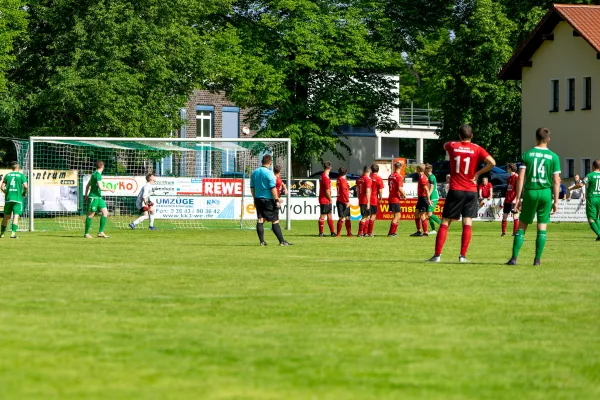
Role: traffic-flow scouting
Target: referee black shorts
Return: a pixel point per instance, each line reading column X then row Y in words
column 266, row 209
column 461, row 204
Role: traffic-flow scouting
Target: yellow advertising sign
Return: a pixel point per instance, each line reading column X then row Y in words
column 50, row 177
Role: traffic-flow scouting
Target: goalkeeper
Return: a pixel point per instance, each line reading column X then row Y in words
column 144, row 205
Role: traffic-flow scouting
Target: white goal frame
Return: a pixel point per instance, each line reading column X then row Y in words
column 41, row 139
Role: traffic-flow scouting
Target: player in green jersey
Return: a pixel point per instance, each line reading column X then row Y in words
column 434, row 197
column 592, row 194
column 539, row 182
column 94, row 202
column 14, row 187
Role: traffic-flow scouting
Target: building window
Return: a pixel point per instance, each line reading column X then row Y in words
column 585, row 166
column 204, row 120
column 204, row 129
column 570, row 94
column 554, row 95
column 570, row 170
column 587, row 93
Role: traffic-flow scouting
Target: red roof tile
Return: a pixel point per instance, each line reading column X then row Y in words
column 585, row 19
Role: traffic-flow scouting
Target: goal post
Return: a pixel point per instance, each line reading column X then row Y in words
column 200, row 182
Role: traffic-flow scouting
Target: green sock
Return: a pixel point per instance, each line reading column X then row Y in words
column 518, row 242
column 3, row 229
column 433, row 219
column 540, row 243
column 595, row 227
column 88, row 225
column 102, row 224
column 598, row 225
column 14, row 228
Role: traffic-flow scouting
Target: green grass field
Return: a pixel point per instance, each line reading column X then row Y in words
column 210, row 315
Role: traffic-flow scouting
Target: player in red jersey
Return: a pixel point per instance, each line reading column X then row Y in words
column 462, row 197
column 395, row 183
column 363, row 187
column 510, row 200
column 279, row 185
column 423, row 202
column 486, row 191
column 376, row 194
column 325, row 200
column 343, row 202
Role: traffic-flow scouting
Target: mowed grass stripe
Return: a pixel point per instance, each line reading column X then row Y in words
column 210, row 314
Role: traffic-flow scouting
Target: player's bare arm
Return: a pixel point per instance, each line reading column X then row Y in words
column 402, row 193
column 284, row 188
column 555, row 191
column 87, row 192
column 368, row 197
column 25, row 189
column 328, row 195
column 275, row 194
column 3, row 188
column 380, row 195
column 489, row 164
column 519, row 190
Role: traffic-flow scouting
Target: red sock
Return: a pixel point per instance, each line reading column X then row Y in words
column 348, row 227
column 339, row 226
column 440, row 239
column 516, row 226
column 503, row 226
column 393, row 228
column 321, row 225
column 361, row 227
column 425, row 227
column 418, row 223
column 330, row 223
column 466, row 239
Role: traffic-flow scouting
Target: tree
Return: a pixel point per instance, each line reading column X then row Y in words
column 12, row 24
column 108, row 67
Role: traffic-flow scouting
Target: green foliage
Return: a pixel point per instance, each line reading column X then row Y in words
column 310, row 68
column 12, row 24
column 109, row 67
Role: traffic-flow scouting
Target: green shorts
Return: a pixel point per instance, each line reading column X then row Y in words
column 13, row 208
column 95, row 204
column 433, row 205
column 536, row 202
column 592, row 208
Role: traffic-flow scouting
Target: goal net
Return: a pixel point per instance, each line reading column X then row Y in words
column 200, row 183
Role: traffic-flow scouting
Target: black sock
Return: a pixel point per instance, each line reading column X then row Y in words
column 277, row 232
column 260, row 229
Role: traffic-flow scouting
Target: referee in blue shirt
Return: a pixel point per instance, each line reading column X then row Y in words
column 266, row 200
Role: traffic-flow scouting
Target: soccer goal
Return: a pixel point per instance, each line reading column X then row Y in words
column 200, row 182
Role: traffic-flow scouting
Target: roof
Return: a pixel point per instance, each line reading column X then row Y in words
column 585, row 20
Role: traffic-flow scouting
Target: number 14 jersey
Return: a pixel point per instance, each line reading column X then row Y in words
column 540, row 164
column 465, row 158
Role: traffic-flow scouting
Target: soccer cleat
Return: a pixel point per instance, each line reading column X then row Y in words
column 514, row 234
column 103, row 235
column 392, row 235
column 537, row 262
column 263, row 243
column 462, row 259
column 333, row 234
column 426, row 234
column 433, row 233
column 284, row 243
column 1, row 236
column 132, row 225
column 87, row 236
column 434, row 259
column 321, row 235
column 360, row 235
column 338, row 235
column 512, row 261
column 13, row 236
column 349, row 235
column 597, row 239
column 153, row 228
column 503, row 234
column 417, row 234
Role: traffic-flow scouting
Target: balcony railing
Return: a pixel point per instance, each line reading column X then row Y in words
column 418, row 117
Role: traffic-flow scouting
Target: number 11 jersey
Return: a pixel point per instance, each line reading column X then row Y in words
column 465, row 158
column 540, row 164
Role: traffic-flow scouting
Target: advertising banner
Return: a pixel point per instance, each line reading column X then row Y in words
column 407, row 209
column 181, row 207
column 53, row 190
column 165, row 186
column 119, row 185
column 304, row 187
